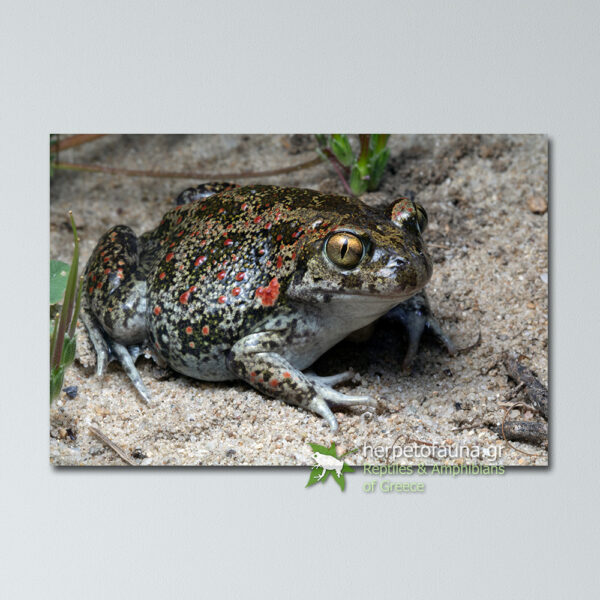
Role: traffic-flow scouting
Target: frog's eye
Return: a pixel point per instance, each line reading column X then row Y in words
column 422, row 218
column 407, row 212
column 344, row 249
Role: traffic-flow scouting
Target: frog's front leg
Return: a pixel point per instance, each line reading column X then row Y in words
column 255, row 360
column 416, row 317
column 115, row 302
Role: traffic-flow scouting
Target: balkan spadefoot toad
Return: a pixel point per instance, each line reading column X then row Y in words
column 255, row 283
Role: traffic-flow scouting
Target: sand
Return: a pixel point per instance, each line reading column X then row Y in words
column 490, row 278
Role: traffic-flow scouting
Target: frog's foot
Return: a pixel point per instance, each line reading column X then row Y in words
column 108, row 350
column 127, row 361
column 416, row 317
column 319, row 403
column 273, row 375
column 327, row 395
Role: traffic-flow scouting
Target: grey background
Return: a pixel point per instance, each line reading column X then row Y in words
column 281, row 67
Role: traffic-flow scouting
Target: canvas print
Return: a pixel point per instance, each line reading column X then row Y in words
column 321, row 300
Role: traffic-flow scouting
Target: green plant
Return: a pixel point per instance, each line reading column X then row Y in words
column 63, row 284
column 360, row 172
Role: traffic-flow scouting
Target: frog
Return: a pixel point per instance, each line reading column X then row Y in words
column 255, row 283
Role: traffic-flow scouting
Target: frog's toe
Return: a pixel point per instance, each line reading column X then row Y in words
column 414, row 331
column 434, row 327
column 102, row 359
column 127, row 362
column 98, row 342
column 340, row 399
column 319, row 406
column 326, row 395
column 416, row 325
column 330, row 380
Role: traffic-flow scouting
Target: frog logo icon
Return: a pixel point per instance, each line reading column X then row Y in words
column 327, row 462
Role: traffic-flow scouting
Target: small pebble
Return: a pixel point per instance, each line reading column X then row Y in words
column 71, row 391
column 537, row 205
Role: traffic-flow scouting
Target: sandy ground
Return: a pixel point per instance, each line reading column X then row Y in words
column 490, row 276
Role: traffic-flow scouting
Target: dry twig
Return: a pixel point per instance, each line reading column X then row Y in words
column 73, row 141
column 116, row 448
column 185, row 174
column 536, row 392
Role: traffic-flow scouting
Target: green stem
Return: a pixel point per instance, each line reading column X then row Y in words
column 363, row 158
column 70, row 291
column 339, row 169
column 382, row 139
column 60, row 337
column 77, row 307
column 68, row 300
column 53, row 338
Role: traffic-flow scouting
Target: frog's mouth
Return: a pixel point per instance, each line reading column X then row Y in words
column 375, row 297
column 357, row 308
column 365, row 298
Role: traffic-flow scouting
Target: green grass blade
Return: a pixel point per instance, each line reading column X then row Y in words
column 53, row 337
column 68, row 302
column 77, row 307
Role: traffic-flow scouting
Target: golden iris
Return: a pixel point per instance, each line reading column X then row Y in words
column 344, row 249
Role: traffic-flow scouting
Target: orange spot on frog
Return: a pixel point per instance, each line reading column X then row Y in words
column 268, row 295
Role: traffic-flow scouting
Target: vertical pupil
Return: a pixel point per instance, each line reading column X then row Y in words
column 344, row 248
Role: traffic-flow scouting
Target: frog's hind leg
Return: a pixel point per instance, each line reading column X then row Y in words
column 98, row 340
column 108, row 350
column 114, row 301
column 274, row 375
